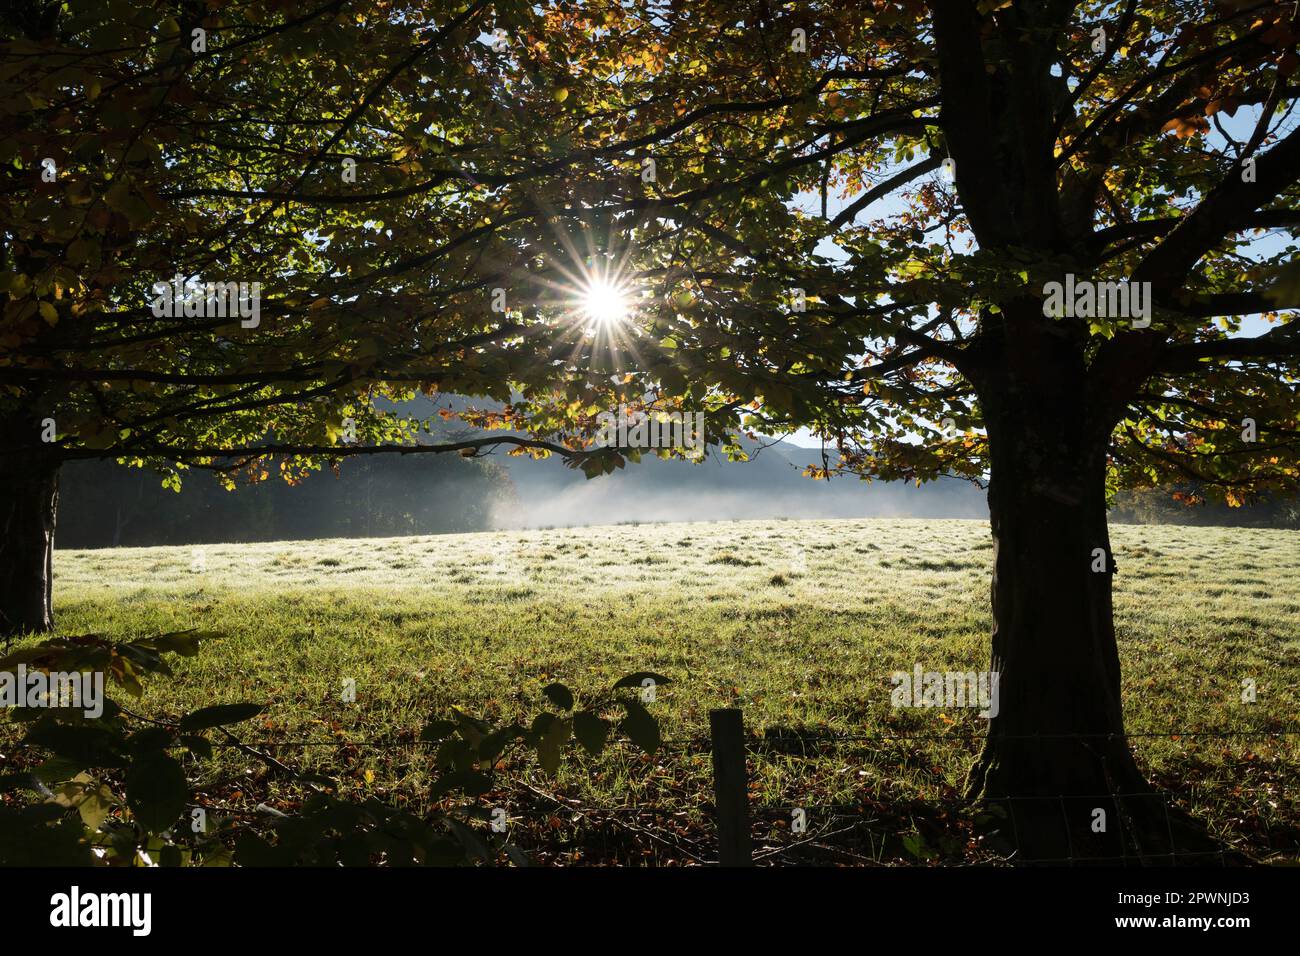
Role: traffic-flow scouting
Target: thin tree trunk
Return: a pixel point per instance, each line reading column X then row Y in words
column 29, row 494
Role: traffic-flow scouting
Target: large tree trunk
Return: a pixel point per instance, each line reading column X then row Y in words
column 1056, row 762
column 29, row 493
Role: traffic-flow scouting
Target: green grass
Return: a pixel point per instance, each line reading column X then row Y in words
column 798, row 622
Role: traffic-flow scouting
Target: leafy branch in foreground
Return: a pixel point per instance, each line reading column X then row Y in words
column 332, row 832
column 118, row 788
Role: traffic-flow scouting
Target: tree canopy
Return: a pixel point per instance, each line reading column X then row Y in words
column 507, row 147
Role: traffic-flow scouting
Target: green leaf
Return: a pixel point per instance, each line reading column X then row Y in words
column 82, row 250
column 472, row 783
column 436, row 731
column 541, row 723
column 156, row 791
column 94, row 809
column 1286, row 285
column 149, row 740
column 517, row 856
column 635, row 680
column 490, row 747
column 219, row 716
column 915, row 844
column 184, row 643
column 57, row 769
column 455, row 753
column 639, row 726
column 252, row 850
column 474, row 846
column 217, row 854
column 591, row 731
column 471, row 728
column 551, row 747
column 169, row 856
column 92, row 800
column 559, row 695
column 81, row 744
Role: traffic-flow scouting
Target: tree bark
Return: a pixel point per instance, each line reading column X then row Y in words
column 1056, row 763
column 29, row 494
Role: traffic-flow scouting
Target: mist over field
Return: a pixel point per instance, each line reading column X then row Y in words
column 111, row 505
column 770, row 485
column 107, row 505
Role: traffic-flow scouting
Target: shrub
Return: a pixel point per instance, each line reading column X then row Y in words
column 114, row 790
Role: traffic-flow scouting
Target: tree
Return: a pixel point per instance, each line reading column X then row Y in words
column 227, row 232
column 1088, row 146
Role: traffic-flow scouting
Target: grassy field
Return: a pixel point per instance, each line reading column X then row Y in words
column 798, row 622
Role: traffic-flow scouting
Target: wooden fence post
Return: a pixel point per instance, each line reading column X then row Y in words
column 731, row 787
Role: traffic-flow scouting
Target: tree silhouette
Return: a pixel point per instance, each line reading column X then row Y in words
column 1050, row 298
column 345, row 159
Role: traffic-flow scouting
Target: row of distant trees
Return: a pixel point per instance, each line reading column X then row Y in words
column 1186, row 505
column 107, row 505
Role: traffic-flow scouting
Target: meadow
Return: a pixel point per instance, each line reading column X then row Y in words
column 800, row 623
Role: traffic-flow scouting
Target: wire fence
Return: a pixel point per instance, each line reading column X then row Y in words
column 865, row 828
column 702, row 741
column 1081, row 830
column 875, row 830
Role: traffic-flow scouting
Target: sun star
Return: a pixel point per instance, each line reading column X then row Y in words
column 606, row 304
